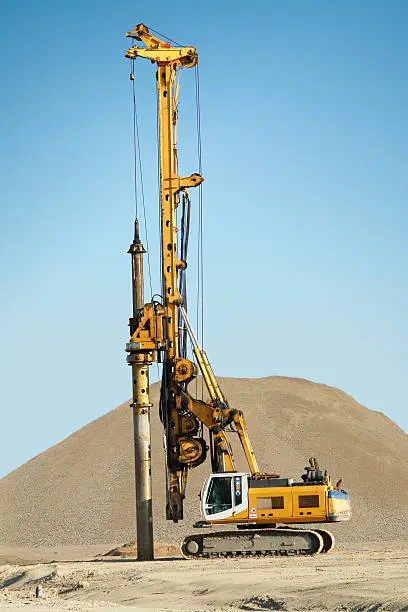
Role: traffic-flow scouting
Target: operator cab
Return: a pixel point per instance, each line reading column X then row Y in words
column 224, row 495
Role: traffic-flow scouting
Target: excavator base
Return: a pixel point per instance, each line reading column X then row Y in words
column 257, row 542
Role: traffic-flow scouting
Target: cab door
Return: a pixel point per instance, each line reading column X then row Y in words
column 225, row 496
column 218, row 499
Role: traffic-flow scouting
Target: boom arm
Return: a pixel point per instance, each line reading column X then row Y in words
column 157, row 337
column 218, row 398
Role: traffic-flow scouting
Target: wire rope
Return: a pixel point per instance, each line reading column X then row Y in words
column 200, row 247
column 132, row 77
column 158, row 190
column 138, row 164
column 164, row 36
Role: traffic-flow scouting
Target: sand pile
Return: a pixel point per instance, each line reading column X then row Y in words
column 81, row 491
column 130, row 550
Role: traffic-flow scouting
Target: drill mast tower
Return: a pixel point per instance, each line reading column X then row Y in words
column 161, row 327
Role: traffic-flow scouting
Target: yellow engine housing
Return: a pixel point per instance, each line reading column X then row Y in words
column 238, row 498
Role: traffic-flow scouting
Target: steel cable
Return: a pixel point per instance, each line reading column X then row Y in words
column 200, row 249
column 138, row 162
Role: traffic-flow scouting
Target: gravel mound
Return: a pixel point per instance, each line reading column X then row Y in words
column 81, row 491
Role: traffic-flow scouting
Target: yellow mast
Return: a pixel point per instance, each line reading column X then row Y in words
column 158, row 328
column 179, row 443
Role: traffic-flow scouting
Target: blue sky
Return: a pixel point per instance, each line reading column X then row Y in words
column 304, row 130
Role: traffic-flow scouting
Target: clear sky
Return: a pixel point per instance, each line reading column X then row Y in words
column 305, row 131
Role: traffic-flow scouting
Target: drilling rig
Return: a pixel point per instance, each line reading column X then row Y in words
column 160, row 332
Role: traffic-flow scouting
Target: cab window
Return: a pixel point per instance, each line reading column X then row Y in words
column 219, row 496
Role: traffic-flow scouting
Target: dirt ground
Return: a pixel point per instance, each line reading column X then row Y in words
column 363, row 577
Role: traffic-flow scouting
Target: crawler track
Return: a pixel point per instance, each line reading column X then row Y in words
column 263, row 542
column 328, row 539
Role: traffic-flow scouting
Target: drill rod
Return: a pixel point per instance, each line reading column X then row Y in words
column 141, row 417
